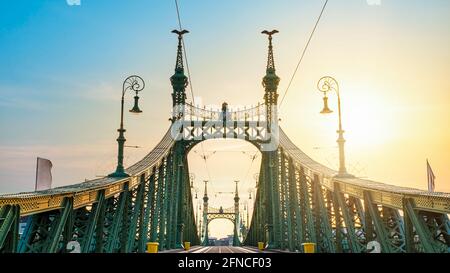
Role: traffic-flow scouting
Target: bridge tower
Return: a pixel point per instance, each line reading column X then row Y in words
column 205, row 216
column 270, row 81
column 179, row 80
column 270, row 158
column 236, row 241
column 179, row 83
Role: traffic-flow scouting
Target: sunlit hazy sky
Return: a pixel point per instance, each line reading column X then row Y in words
column 62, row 67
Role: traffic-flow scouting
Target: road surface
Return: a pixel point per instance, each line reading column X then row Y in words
column 219, row 249
column 222, row 249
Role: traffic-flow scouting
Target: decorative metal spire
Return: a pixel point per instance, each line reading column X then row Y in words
column 270, row 60
column 270, row 80
column 205, row 197
column 236, row 195
column 179, row 80
column 179, row 66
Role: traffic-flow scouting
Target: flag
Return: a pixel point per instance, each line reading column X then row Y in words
column 430, row 177
column 43, row 174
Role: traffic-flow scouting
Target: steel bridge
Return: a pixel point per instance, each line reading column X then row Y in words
column 298, row 200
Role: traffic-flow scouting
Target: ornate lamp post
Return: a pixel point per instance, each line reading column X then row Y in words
column 135, row 84
column 326, row 84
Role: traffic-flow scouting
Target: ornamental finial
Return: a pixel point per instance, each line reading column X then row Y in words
column 179, row 64
column 270, row 60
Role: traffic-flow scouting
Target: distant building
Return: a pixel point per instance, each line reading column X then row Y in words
column 227, row 241
column 212, row 241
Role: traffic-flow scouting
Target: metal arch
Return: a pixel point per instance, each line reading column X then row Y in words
column 192, row 143
column 214, row 216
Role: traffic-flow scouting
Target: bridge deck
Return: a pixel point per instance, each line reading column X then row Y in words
column 219, row 249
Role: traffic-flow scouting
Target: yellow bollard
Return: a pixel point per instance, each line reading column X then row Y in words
column 261, row 246
column 309, row 247
column 152, row 247
column 187, row 246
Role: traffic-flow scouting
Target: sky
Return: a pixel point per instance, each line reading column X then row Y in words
column 62, row 68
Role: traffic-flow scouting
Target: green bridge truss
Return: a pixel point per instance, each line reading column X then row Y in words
column 298, row 200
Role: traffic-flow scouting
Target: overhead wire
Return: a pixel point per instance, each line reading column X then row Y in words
column 303, row 52
column 248, row 171
column 185, row 55
column 191, row 86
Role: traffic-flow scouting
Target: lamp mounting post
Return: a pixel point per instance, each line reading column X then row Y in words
column 136, row 84
column 325, row 85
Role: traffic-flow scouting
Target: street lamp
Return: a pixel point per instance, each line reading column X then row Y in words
column 136, row 84
column 326, row 84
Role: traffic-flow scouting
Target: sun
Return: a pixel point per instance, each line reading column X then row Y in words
column 367, row 118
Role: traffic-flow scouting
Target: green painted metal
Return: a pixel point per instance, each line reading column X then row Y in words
column 39, row 239
column 340, row 247
column 148, row 214
column 396, row 229
column 426, row 239
column 113, row 241
column 267, row 216
column 158, row 202
column 125, row 222
column 349, row 229
column 309, row 234
column 58, row 225
column 286, row 226
column 68, row 230
column 441, row 227
column 135, row 216
column 205, row 241
column 316, row 209
column 142, row 231
column 368, row 222
column 26, row 236
column 164, row 224
column 13, row 241
column 409, row 231
column 259, row 219
column 381, row 231
column 100, row 229
column 86, row 244
column 191, row 234
column 171, row 211
column 295, row 206
column 161, row 200
column 357, row 214
column 236, row 241
column 9, row 222
column 179, row 192
column 323, row 223
column 178, row 151
column 146, row 210
column 274, row 200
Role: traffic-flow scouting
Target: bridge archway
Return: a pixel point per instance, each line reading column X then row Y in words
column 222, row 162
column 225, row 224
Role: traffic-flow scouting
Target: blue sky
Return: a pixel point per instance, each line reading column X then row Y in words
column 62, row 67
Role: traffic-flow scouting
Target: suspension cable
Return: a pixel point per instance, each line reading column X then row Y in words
column 253, row 157
column 185, row 55
column 191, row 87
column 304, row 51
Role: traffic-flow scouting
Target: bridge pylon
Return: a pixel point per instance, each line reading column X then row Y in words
column 236, row 232
column 205, row 241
